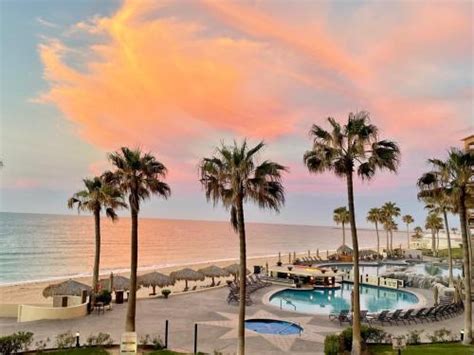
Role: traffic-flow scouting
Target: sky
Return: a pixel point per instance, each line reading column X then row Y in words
column 82, row 78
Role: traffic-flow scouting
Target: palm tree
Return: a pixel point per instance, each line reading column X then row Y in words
column 97, row 196
column 344, row 150
column 233, row 176
column 407, row 219
column 375, row 216
column 434, row 223
column 138, row 175
column 341, row 216
column 457, row 174
column 433, row 191
column 418, row 230
column 390, row 210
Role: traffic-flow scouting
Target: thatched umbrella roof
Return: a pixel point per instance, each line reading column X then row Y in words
column 234, row 269
column 214, row 271
column 154, row 279
column 66, row 288
column 119, row 283
column 344, row 249
column 187, row 274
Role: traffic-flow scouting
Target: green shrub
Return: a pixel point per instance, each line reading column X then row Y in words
column 145, row 340
column 414, row 336
column 441, row 335
column 332, row 344
column 65, row 340
column 157, row 343
column 105, row 296
column 40, row 345
column 368, row 334
column 165, row 292
column 15, row 342
column 101, row 339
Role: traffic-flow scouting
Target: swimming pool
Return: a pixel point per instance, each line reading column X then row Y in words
column 273, row 326
column 325, row 301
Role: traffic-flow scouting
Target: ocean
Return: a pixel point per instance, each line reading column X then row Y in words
column 38, row 247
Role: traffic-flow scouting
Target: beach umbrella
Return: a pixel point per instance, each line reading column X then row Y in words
column 187, row 274
column 234, row 269
column 213, row 271
column 118, row 283
column 66, row 288
column 154, row 279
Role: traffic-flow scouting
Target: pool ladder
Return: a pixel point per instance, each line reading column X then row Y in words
column 287, row 302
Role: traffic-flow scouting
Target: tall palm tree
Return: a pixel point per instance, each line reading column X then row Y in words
column 138, row 175
column 375, row 216
column 233, row 176
column 96, row 197
column 408, row 219
column 347, row 149
column 390, row 210
column 457, row 173
column 433, row 191
column 433, row 223
column 341, row 216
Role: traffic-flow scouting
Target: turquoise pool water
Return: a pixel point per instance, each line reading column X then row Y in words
column 273, row 326
column 372, row 298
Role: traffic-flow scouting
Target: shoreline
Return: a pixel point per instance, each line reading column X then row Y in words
column 31, row 291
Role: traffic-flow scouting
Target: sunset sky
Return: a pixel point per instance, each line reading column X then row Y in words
column 82, row 78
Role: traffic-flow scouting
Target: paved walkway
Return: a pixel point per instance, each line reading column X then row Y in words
column 217, row 324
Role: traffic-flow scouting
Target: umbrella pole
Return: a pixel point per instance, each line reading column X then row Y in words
column 186, row 285
column 154, row 289
column 213, row 283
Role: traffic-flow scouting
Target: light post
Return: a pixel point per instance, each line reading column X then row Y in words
column 78, row 345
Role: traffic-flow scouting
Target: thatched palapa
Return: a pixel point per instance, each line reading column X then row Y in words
column 66, row 288
column 187, row 274
column 155, row 279
column 234, row 269
column 213, row 271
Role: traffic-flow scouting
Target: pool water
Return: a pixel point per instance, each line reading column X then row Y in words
column 325, row 301
column 273, row 326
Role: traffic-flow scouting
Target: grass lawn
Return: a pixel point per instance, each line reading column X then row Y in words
column 425, row 349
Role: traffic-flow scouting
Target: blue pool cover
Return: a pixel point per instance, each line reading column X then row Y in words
column 273, row 326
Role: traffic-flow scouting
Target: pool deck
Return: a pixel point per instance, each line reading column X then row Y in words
column 217, row 324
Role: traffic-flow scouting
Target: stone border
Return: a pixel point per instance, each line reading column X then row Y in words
column 422, row 301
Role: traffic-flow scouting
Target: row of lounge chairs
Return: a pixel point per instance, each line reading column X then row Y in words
column 253, row 283
column 421, row 315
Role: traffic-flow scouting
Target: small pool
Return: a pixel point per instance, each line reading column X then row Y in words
column 273, row 326
column 325, row 301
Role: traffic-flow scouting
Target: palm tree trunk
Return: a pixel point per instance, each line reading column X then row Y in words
column 450, row 257
column 95, row 274
column 408, row 236
column 378, row 238
column 467, row 270
column 343, row 233
column 132, row 300
column 433, row 242
column 388, row 245
column 243, row 276
column 437, row 242
column 356, row 337
column 391, row 240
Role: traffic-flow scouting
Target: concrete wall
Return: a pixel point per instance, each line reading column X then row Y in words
column 9, row 310
column 28, row 313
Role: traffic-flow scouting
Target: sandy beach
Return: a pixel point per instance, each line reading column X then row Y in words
column 32, row 292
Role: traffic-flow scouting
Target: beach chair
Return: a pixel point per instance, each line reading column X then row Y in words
column 363, row 316
column 342, row 316
column 380, row 317
column 416, row 315
column 406, row 317
column 427, row 315
column 394, row 317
